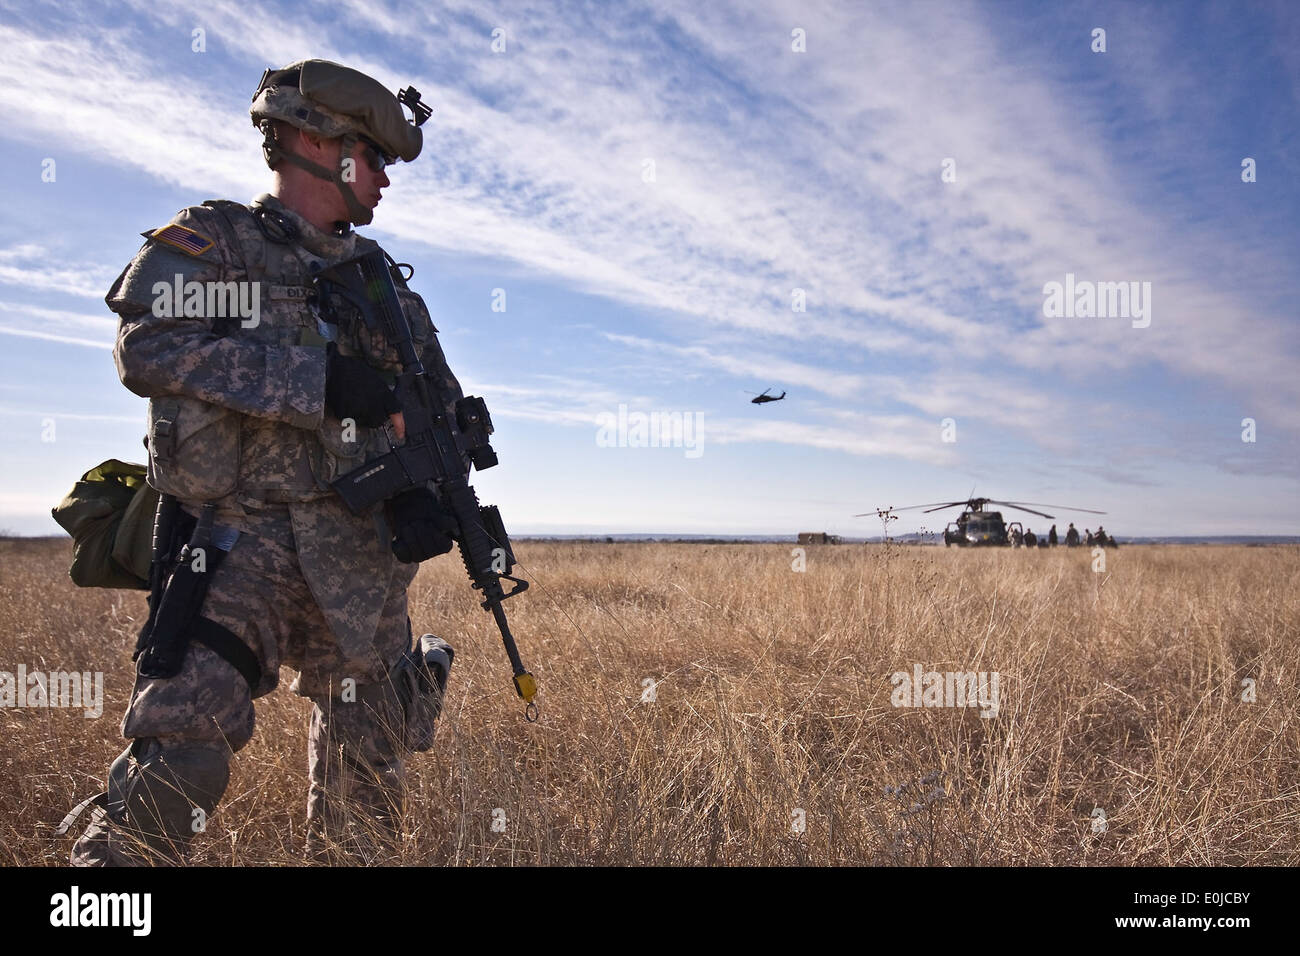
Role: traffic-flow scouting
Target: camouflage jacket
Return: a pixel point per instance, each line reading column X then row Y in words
column 219, row 327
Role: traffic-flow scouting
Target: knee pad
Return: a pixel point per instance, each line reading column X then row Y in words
column 167, row 794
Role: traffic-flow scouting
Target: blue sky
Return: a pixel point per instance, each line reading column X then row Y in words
column 774, row 170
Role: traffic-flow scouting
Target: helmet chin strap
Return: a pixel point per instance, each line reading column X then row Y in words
column 357, row 213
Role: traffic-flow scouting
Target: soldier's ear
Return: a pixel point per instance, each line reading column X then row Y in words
column 314, row 146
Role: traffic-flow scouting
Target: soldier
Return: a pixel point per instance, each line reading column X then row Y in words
column 1051, row 536
column 1031, row 539
column 251, row 417
column 1072, row 536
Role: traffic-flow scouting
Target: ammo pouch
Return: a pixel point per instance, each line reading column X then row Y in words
column 193, row 448
column 109, row 514
column 420, row 678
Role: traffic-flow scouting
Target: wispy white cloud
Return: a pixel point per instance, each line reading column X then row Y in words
column 70, row 416
column 54, row 337
column 56, row 325
column 871, row 435
column 28, row 265
column 752, row 365
column 552, row 176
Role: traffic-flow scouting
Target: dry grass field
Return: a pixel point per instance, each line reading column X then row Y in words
column 1120, row 690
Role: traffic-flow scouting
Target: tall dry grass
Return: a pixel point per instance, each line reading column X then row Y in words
column 1119, row 690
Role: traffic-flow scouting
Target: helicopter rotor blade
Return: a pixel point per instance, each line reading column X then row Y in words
column 934, row 506
column 1007, row 504
column 977, row 503
column 1018, row 504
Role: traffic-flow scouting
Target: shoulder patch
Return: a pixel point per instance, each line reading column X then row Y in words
column 183, row 238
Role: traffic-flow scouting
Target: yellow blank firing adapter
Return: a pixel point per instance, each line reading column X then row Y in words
column 526, row 687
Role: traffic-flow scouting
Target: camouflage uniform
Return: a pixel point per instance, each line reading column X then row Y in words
column 306, row 583
column 238, row 419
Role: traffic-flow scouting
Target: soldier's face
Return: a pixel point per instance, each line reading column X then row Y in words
column 369, row 180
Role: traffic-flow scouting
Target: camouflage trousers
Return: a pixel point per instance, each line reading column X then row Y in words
column 355, row 752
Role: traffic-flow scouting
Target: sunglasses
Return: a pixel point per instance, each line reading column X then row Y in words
column 375, row 156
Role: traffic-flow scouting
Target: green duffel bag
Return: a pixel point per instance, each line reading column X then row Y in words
column 109, row 514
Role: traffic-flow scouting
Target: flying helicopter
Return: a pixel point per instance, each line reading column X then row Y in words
column 764, row 397
column 976, row 527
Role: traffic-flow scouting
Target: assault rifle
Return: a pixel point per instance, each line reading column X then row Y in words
column 436, row 446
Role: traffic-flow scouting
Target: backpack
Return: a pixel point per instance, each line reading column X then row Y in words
column 110, row 514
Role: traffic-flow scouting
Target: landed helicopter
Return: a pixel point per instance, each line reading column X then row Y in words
column 764, row 397
column 976, row 527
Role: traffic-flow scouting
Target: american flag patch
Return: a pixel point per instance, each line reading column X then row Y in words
column 183, row 238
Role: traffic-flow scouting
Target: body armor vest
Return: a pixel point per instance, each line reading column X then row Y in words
column 204, row 452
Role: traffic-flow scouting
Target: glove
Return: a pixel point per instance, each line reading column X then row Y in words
column 421, row 528
column 355, row 390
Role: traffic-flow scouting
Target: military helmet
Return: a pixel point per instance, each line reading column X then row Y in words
column 335, row 101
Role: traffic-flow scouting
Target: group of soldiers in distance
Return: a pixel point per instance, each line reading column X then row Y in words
column 1028, row 539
